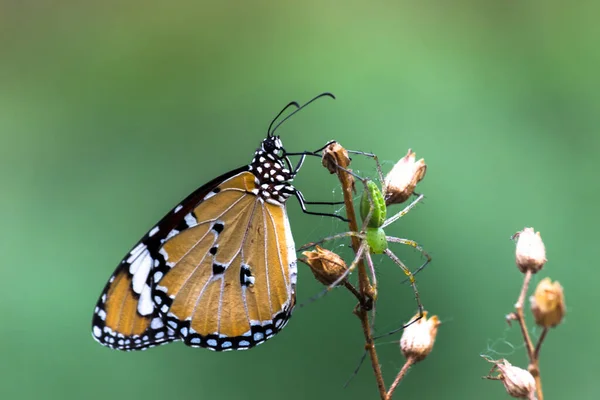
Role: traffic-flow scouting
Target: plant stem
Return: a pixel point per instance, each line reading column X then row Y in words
column 532, row 353
column 521, row 318
column 538, row 347
column 347, row 182
column 409, row 362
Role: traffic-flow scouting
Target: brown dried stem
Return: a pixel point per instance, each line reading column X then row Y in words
column 538, row 347
column 347, row 182
column 366, row 292
column 532, row 352
column 409, row 363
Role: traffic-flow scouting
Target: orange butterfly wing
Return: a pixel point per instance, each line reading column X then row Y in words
column 232, row 279
column 218, row 271
column 126, row 317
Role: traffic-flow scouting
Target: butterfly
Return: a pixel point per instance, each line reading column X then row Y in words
column 219, row 270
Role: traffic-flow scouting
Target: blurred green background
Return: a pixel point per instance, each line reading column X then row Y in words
column 111, row 112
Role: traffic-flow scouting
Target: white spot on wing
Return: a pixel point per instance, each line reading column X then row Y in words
column 156, row 323
column 153, row 231
column 140, row 270
column 158, row 276
column 209, row 195
column 177, row 209
column 135, row 252
column 145, row 305
column 190, row 220
column 171, row 234
column 97, row 332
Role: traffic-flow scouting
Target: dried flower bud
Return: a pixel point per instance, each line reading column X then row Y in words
column 418, row 338
column 530, row 252
column 335, row 155
column 519, row 383
column 548, row 303
column 325, row 265
column 401, row 181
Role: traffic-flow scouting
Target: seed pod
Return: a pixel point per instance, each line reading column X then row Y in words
column 402, row 180
column 418, row 338
column 325, row 265
column 548, row 303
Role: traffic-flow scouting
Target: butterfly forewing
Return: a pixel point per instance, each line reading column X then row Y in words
column 232, row 280
column 218, row 271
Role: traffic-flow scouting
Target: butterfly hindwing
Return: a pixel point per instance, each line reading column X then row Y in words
column 126, row 316
column 117, row 322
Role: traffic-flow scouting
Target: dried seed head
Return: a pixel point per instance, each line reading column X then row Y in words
column 548, row 303
column 418, row 338
column 325, row 265
column 530, row 252
column 335, row 155
column 401, row 181
column 519, row 383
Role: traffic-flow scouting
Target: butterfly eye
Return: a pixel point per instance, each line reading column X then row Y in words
column 269, row 145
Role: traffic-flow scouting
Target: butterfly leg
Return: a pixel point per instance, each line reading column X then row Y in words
column 303, row 203
column 300, row 163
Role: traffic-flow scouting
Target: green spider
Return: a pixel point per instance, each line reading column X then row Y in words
column 373, row 239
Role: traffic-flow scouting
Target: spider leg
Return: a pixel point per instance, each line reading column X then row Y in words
column 402, row 213
column 372, row 269
column 374, row 285
column 411, row 278
column 334, row 237
column 398, row 329
column 377, row 163
column 414, row 245
column 360, row 363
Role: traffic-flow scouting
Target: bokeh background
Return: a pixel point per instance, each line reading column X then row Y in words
column 111, row 112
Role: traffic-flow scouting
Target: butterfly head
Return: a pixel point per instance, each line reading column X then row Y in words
column 272, row 145
column 271, row 168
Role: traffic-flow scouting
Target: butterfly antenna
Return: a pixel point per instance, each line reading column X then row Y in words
column 326, row 94
column 290, row 104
